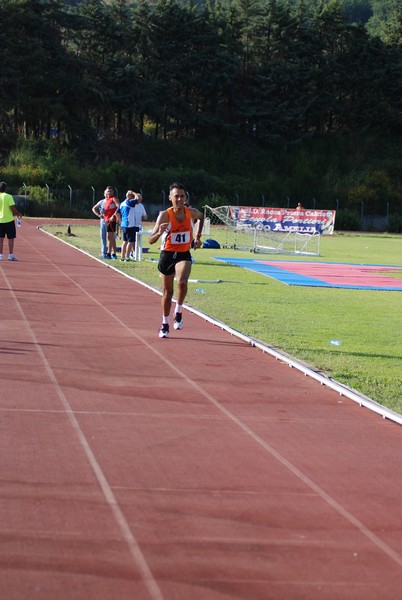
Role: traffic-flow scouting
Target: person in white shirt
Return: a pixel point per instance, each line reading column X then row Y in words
column 140, row 215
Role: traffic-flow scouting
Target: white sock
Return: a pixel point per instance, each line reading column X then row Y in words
column 165, row 320
column 178, row 308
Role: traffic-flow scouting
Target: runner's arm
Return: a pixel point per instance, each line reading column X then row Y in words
column 199, row 217
column 160, row 227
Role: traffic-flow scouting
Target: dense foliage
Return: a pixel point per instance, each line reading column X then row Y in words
column 263, row 82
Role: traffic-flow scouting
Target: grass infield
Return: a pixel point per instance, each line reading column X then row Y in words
column 300, row 321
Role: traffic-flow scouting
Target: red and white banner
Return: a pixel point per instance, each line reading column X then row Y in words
column 285, row 219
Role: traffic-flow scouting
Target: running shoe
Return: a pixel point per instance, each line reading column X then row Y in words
column 12, row 257
column 164, row 331
column 178, row 321
column 114, row 257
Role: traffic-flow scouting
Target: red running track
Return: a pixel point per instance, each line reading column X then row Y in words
column 193, row 468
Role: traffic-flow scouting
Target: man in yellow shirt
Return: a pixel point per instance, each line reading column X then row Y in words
column 8, row 211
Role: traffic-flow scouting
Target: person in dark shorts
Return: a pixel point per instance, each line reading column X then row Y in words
column 174, row 227
column 127, row 223
column 8, row 211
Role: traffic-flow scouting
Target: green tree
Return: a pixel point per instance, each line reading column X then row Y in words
column 386, row 21
column 93, row 42
column 31, row 37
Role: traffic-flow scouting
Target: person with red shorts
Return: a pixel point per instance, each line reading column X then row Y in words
column 174, row 227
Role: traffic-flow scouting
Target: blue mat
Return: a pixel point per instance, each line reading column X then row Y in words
column 319, row 274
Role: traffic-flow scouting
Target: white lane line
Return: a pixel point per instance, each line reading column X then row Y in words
column 334, row 504
column 136, row 553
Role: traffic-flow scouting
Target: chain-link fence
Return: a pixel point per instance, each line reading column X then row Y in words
column 69, row 202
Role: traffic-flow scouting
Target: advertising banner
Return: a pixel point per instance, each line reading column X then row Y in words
column 284, row 219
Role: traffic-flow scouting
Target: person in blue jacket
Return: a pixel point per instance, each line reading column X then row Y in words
column 126, row 215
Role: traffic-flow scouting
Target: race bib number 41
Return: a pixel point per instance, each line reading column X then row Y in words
column 180, row 237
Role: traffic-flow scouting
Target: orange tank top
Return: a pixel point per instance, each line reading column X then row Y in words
column 179, row 236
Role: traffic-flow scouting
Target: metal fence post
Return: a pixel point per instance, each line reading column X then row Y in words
column 25, row 194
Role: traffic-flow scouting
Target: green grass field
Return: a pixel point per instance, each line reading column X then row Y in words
column 300, row 321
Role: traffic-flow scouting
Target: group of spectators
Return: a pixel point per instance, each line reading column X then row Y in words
column 128, row 215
